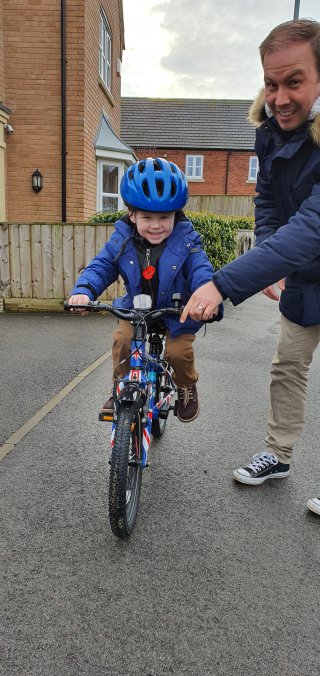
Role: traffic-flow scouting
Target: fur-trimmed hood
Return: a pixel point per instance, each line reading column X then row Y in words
column 257, row 117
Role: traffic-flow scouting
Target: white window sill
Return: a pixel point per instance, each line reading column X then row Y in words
column 194, row 180
column 251, row 180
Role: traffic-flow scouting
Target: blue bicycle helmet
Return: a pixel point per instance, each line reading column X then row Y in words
column 154, row 185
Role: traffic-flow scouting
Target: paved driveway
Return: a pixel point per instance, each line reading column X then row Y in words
column 218, row 579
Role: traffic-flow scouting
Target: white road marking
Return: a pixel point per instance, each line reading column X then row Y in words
column 10, row 443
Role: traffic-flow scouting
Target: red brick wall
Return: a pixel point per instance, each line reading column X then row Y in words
column 216, row 179
column 96, row 98
column 238, row 174
column 2, row 88
column 33, row 92
column 32, row 85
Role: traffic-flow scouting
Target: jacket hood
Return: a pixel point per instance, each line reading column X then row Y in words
column 258, row 116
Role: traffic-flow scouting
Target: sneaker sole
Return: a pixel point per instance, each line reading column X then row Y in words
column 251, row 481
column 313, row 508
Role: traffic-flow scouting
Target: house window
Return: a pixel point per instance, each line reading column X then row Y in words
column 253, row 168
column 110, row 174
column 105, row 51
column 194, row 167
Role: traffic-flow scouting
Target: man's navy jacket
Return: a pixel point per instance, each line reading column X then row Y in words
column 287, row 217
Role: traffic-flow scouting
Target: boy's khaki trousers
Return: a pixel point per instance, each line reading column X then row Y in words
column 178, row 352
column 289, row 378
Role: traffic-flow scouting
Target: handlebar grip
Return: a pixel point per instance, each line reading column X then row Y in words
column 173, row 311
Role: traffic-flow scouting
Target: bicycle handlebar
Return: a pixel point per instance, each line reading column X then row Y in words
column 123, row 313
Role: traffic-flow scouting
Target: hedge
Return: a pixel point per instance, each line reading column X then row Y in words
column 218, row 232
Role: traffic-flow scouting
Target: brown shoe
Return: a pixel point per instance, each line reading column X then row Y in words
column 188, row 405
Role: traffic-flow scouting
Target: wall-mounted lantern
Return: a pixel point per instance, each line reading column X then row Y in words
column 37, row 180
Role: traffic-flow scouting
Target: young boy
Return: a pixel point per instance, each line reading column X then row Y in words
column 156, row 251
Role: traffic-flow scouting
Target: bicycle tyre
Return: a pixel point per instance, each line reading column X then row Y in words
column 159, row 424
column 125, row 480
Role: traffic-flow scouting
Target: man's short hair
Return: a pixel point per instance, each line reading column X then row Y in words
column 298, row 30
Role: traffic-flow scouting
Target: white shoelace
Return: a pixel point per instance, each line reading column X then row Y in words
column 261, row 461
column 185, row 393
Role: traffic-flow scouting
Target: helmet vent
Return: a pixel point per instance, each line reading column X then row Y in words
column 173, row 189
column 159, row 187
column 141, row 167
column 157, row 166
column 145, row 188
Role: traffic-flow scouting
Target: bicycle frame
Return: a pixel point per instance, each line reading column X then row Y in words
column 140, row 384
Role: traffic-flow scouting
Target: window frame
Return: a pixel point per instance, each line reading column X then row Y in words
column 121, row 166
column 253, row 173
column 105, row 51
column 193, row 176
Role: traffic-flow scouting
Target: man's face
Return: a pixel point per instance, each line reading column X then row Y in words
column 292, row 84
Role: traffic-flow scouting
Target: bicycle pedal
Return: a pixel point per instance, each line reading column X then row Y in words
column 164, row 414
column 105, row 417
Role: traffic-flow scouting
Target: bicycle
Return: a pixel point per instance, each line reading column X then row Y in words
column 142, row 402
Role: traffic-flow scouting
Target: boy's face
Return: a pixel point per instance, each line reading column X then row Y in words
column 154, row 227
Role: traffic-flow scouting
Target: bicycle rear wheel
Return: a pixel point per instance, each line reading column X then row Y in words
column 159, row 424
column 125, row 470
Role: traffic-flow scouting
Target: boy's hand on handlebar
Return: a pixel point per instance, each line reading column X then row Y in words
column 203, row 304
column 79, row 299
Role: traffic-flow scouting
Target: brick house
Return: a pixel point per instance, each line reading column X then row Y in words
column 211, row 140
column 60, row 67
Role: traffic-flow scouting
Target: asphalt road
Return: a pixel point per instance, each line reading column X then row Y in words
column 218, row 579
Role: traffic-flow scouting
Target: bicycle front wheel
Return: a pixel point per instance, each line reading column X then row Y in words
column 125, row 470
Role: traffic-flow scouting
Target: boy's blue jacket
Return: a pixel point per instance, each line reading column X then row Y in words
column 287, row 221
column 182, row 268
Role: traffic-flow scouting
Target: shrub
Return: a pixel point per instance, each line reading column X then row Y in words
column 242, row 222
column 218, row 237
column 106, row 216
column 218, row 232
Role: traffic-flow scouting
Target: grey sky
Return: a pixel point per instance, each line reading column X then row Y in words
column 200, row 48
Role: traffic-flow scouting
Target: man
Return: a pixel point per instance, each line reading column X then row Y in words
column 287, row 214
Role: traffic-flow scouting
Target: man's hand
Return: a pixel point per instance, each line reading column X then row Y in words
column 271, row 292
column 79, row 299
column 203, row 304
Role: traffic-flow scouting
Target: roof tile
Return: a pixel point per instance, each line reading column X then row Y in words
column 187, row 123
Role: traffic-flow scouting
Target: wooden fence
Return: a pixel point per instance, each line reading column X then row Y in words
column 39, row 263
column 231, row 205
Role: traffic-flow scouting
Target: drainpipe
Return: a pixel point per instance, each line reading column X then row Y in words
column 63, row 115
column 227, row 173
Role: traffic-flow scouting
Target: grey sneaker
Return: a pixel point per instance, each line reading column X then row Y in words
column 263, row 466
column 314, row 505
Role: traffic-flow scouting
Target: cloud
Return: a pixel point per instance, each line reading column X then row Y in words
column 200, row 48
column 214, row 44
column 146, row 42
